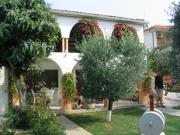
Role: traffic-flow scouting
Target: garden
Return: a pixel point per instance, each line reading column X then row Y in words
column 111, row 69
column 124, row 122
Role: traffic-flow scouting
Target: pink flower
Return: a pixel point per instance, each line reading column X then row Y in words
column 83, row 22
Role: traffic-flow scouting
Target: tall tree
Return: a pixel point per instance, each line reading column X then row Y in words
column 159, row 61
column 175, row 55
column 28, row 31
column 111, row 68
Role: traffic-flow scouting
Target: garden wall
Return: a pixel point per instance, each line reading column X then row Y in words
column 3, row 91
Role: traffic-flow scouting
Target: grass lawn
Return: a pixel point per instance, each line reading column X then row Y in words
column 177, row 107
column 124, row 122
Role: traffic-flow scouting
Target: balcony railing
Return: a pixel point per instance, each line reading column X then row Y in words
column 66, row 45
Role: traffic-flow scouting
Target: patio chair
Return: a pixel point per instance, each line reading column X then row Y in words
column 35, row 95
column 50, row 94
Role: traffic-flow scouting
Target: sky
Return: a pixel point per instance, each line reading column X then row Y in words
column 153, row 11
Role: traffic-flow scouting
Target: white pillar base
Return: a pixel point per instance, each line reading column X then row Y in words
column 109, row 115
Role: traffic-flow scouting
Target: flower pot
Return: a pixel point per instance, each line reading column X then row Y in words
column 65, row 104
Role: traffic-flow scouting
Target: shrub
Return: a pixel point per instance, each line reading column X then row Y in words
column 39, row 118
column 18, row 118
column 69, row 86
column 123, row 30
column 7, row 131
column 44, row 122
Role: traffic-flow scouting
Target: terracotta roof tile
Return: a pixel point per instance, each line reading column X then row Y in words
column 159, row 27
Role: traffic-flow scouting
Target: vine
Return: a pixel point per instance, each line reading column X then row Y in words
column 69, row 86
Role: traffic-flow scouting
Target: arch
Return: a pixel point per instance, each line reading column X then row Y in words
column 123, row 30
column 48, row 63
column 77, row 66
column 53, row 74
column 83, row 29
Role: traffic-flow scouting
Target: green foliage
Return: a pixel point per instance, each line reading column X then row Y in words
column 39, row 118
column 147, row 83
column 175, row 55
column 68, row 83
column 111, row 68
column 159, row 60
column 44, row 122
column 7, row 131
column 28, row 31
column 18, row 118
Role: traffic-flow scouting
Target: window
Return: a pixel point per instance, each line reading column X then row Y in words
column 48, row 77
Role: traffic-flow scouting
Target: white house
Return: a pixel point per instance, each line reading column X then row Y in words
column 157, row 36
column 65, row 60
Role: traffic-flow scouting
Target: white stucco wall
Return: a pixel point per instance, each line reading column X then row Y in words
column 66, row 61
column 106, row 27
column 3, row 91
column 150, row 39
column 67, row 23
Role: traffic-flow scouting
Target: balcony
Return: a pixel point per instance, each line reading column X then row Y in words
column 67, row 45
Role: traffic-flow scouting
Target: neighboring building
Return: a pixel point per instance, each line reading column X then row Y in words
column 157, row 36
column 65, row 59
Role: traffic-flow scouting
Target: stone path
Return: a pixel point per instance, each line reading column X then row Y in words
column 71, row 127
column 169, row 103
column 170, row 111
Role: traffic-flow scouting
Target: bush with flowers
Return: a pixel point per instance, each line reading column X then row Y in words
column 123, row 30
column 85, row 28
column 96, row 28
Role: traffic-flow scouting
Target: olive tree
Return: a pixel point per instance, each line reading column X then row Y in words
column 111, row 68
column 28, row 31
column 158, row 60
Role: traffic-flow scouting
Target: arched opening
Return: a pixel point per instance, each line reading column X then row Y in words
column 47, row 81
column 81, row 30
column 123, row 30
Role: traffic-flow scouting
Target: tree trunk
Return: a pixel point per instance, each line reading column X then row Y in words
column 22, row 97
column 109, row 114
column 105, row 103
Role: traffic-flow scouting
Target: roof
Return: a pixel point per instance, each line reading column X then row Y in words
column 159, row 28
column 78, row 14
